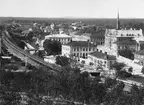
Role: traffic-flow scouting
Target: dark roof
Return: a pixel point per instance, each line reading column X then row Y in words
column 98, row 35
column 103, row 55
column 141, row 42
column 81, row 43
column 125, row 42
column 141, row 52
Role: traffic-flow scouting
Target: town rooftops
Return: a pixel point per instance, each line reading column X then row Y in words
column 128, row 42
column 141, row 42
column 57, row 36
column 81, row 44
column 123, row 32
column 102, row 55
column 98, row 35
column 80, row 38
column 141, row 52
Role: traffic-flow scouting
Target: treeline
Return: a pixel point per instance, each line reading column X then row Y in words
column 68, row 83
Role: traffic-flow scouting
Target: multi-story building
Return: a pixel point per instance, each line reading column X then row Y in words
column 97, row 38
column 101, row 59
column 117, row 39
column 63, row 38
column 78, row 49
column 139, row 57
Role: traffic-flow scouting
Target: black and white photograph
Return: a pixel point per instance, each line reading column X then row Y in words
column 71, row 52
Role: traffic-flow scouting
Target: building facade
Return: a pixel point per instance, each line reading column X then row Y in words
column 139, row 57
column 102, row 60
column 78, row 49
column 118, row 39
column 62, row 38
column 97, row 38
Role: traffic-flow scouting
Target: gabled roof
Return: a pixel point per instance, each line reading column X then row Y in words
column 126, row 42
column 141, row 42
column 57, row 36
column 141, row 52
column 101, row 55
column 81, row 44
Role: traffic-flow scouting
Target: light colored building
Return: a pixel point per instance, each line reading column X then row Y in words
column 63, row 38
column 139, row 57
column 118, row 39
column 101, row 59
column 80, row 38
column 78, row 49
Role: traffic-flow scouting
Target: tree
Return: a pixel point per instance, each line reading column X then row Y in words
column 137, row 94
column 62, row 60
column 118, row 67
column 52, row 47
column 130, row 70
column 126, row 53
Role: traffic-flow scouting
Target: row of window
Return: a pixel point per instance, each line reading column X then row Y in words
column 139, row 56
column 67, row 49
column 95, row 40
column 60, row 39
column 80, row 54
column 129, row 35
column 84, row 49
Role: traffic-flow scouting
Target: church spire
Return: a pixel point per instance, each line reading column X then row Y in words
column 118, row 22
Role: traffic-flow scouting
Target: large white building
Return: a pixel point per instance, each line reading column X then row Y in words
column 119, row 39
column 78, row 49
column 63, row 38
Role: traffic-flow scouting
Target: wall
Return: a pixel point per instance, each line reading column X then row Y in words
column 136, row 67
column 66, row 50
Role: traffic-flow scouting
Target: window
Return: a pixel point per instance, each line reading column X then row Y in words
column 78, row 54
column 77, row 49
column 74, row 54
column 74, row 49
column 86, row 54
column 83, row 49
column 86, row 49
column 89, row 49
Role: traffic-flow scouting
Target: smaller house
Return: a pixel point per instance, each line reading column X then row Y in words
column 63, row 38
column 139, row 57
column 101, row 59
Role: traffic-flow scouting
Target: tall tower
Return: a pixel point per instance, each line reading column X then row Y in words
column 118, row 22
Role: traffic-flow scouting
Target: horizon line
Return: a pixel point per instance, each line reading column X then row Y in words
column 69, row 17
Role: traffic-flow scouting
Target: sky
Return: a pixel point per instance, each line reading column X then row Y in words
column 72, row 8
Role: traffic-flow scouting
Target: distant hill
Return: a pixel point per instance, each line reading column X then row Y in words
column 94, row 21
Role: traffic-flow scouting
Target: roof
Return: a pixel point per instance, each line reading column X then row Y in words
column 125, row 42
column 81, row 44
column 25, row 31
column 141, row 52
column 103, row 55
column 124, row 32
column 79, row 38
column 141, row 42
column 57, row 36
column 98, row 35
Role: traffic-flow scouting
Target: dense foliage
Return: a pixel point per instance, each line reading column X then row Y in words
column 62, row 60
column 52, row 47
column 69, row 83
column 126, row 53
